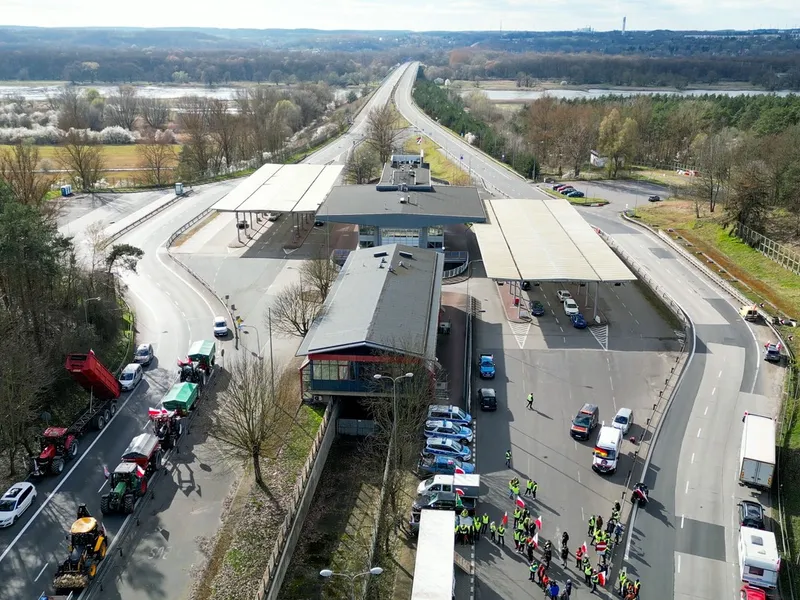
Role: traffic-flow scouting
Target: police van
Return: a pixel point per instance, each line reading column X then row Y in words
column 606, row 450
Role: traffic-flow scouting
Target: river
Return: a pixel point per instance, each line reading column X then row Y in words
column 528, row 95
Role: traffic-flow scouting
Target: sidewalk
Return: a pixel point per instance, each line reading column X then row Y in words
column 507, row 299
column 450, row 347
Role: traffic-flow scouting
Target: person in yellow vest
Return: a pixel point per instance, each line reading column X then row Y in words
column 484, row 523
column 517, row 515
column 501, row 535
column 623, row 577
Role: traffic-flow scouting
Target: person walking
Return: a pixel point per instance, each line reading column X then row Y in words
column 598, row 524
column 568, row 588
column 493, row 531
column 484, row 523
column 477, row 528
column 530, row 548
column 532, row 568
column 619, row 528
column 578, row 557
column 511, row 488
column 565, row 539
column 622, row 579
column 516, row 540
column 564, row 556
column 508, row 459
column 592, row 523
column 530, row 401
column 501, row 535
column 595, row 580
column 529, row 487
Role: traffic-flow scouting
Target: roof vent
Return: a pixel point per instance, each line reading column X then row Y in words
column 403, row 200
column 379, row 254
column 405, row 254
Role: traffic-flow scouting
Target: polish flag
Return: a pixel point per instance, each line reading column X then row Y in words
column 419, row 140
column 139, row 471
column 520, row 502
column 538, row 522
column 156, row 412
column 460, row 471
column 505, row 519
column 459, row 491
column 601, row 578
column 536, row 540
column 584, row 548
column 106, row 474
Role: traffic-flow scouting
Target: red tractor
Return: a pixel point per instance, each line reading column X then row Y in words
column 166, row 425
column 58, row 446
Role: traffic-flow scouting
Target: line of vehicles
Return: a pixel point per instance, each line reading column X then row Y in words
column 88, row 541
column 607, row 447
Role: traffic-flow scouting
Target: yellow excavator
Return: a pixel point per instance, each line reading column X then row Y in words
column 88, row 545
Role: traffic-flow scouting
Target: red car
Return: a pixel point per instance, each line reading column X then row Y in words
column 748, row 592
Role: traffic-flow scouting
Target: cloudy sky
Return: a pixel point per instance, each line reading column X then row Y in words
column 424, row 15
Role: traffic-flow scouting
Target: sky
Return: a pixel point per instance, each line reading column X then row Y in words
column 423, row 15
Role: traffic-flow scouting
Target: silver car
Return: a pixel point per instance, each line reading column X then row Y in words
column 130, row 377
column 623, row 420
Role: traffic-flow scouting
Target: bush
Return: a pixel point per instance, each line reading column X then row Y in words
column 165, row 137
column 39, row 135
column 115, row 135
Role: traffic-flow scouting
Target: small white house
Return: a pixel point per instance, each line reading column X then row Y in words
column 597, row 161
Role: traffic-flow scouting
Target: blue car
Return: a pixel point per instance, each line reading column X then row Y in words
column 446, row 447
column 442, row 465
column 487, row 368
column 537, row 308
column 448, row 429
column 449, row 413
column 575, row 194
column 578, row 322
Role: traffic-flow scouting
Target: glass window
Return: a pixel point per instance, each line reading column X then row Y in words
column 333, row 370
column 366, row 230
column 437, row 230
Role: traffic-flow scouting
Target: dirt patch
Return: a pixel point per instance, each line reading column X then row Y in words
column 187, row 235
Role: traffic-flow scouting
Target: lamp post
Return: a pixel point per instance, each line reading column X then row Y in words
column 327, row 574
column 394, row 381
column 258, row 337
column 86, row 309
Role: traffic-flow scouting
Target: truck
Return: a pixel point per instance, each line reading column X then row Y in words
column 181, row 398
column 434, row 571
column 757, row 454
column 469, row 484
column 199, row 362
column 759, row 560
column 60, row 444
column 486, row 366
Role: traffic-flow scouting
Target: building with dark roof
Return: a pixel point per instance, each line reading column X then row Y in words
column 404, row 207
column 383, row 308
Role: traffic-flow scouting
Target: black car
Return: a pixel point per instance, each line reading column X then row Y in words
column 584, row 422
column 525, row 285
column 487, row 398
column 537, row 308
column 654, row 198
column 751, row 514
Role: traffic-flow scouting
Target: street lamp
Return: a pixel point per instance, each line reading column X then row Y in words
column 86, row 309
column 394, row 381
column 242, row 327
column 327, row 573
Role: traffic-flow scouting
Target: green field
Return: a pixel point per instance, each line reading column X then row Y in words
column 441, row 167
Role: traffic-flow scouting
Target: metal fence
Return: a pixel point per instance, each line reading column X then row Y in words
column 779, row 253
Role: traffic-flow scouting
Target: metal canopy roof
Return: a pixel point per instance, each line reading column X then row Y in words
column 282, row 188
column 544, row 240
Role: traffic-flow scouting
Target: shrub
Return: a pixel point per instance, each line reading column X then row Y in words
column 117, row 135
column 165, row 137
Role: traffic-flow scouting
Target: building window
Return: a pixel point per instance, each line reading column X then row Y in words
column 366, row 230
column 366, row 244
column 407, row 237
column 435, row 245
column 333, row 370
column 436, row 231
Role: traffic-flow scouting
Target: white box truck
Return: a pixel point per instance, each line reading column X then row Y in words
column 606, row 450
column 759, row 561
column 757, row 455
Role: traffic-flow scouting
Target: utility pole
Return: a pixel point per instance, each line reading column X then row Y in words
column 271, row 354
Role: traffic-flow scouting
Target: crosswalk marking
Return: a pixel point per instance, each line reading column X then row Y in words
column 520, row 331
column 600, row 333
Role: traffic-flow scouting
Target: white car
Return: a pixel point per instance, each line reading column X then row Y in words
column 220, row 327
column 571, row 307
column 563, row 295
column 16, row 501
column 623, row 420
column 130, row 377
column 272, row 217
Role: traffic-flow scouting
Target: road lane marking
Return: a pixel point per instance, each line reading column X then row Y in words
column 714, row 391
column 178, row 275
column 698, row 431
column 579, row 476
column 637, row 322
column 705, row 412
column 611, row 381
column 66, row 477
column 104, row 484
column 692, row 458
column 561, row 328
column 720, row 374
column 679, row 563
column 682, row 518
column 686, row 491
column 583, row 517
column 42, row 571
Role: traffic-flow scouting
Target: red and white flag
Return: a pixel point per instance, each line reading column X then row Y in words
column 601, row 578
column 520, row 502
column 536, row 540
column 156, row 412
column 460, row 471
column 584, row 548
column 106, row 474
column 505, row 519
column 459, row 491
column 139, row 471
column 538, row 522
column 419, row 140
column 601, row 547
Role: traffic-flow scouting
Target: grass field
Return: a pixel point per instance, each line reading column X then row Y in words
column 764, row 281
column 576, row 201
column 441, row 167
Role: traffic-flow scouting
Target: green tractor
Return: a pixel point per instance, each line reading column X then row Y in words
column 128, row 484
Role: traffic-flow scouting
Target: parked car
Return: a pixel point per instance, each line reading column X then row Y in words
column 563, row 295
column 144, row 354
column 442, row 465
column 623, row 420
column 571, row 307
column 272, row 217
column 17, row 499
column 558, row 186
column 654, row 198
column 537, row 308
column 751, row 514
column 447, row 429
column 585, row 421
column 525, row 286
column 578, row 322
column 220, row 327
column 130, row 377
column 446, row 447
column 487, row 399
column 575, row 194
column 450, row 413
column 748, row 592
column 566, row 190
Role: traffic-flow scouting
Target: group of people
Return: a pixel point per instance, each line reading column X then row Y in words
column 603, row 539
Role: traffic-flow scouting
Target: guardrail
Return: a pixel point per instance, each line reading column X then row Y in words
column 115, row 236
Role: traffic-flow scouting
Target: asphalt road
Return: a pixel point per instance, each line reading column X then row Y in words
column 171, row 313
column 80, row 211
column 685, row 540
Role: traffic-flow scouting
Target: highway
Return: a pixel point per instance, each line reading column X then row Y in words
column 685, row 540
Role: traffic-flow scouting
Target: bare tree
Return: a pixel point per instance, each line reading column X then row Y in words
column 255, row 106
column 155, row 112
column 255, row 414
column 579, row 140
column 72, row 107
column 83, row 158
column 199, row 154
column 18, row 169
column 383, row 131
column 121, row 110
column 713, row 155
column 159, row 159
column 294, row 310
column 224, row 127
column 363, row 165
column 318, row 275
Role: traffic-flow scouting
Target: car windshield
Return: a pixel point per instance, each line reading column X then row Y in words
column 141, row 352
column 583, row 420
column 610, row 454
column 459, row 414
column 570, row 303
column 126, row 376
column 454, row 446
column 7, row 505
column 621, row 420
column 219, row 323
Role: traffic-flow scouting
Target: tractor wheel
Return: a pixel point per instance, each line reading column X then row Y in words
column 105, row 504
column 57, row 466
column 73, row 449
column 128, row 503
column 91, row 570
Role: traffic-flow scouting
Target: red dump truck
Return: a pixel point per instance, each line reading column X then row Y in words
column 60, row 444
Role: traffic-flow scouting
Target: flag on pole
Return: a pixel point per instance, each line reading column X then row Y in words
column 106, row 474
column 460, row 471
column 505, row 519
column 584, row 548
column 459, row 491
column 538, row 522
column 601, row 578
column 419, row 140
column 535, row 540
column 139, row 471
column 156, row 412
column 520, row 502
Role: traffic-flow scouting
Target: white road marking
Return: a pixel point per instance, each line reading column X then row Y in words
column 102, row 486
column 630, row 313
column 184, row 314
column 623, row 304
column 679, row 563
column 705, row 412
column 611, row 381
column 682, row 518
column 637, row 322
column 185, row 282
column 614, row 400
column 692, row 458
column 583, row 517
column 579, row 476
column 42, row 571
column 698, row 431
column 686, row 491
column 714, row 391
column 67, row 476
column 557, row 322
column 561, row 328
column 720, row 374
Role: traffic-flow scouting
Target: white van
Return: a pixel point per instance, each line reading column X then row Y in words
column 606, row 450
column 759, row 561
